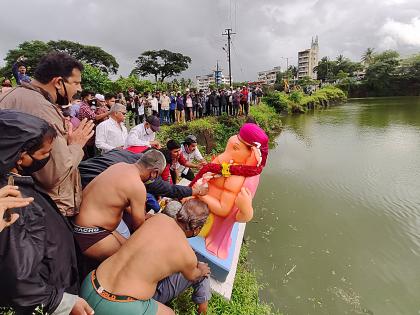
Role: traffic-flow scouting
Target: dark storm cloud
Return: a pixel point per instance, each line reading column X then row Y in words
column 266, row 31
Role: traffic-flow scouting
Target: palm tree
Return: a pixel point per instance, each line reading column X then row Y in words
column 293, row 71
column 367, row 57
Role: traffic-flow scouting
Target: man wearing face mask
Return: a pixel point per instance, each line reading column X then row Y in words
column 56, row 79
column 38, row 263
column 143, row 135
column 105, row 199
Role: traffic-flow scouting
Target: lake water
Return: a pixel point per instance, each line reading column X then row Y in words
column 337, row 213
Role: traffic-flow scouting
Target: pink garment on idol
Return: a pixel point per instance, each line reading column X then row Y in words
column 218, row 240
column 253, row 134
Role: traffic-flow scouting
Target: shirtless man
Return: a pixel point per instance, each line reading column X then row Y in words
column 106, row 198
column 155, row 263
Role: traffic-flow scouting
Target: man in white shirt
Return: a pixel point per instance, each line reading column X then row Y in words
column 155, row 105
column 112, row 133
column 191, row 153
column 143, row 135
column 164, row 112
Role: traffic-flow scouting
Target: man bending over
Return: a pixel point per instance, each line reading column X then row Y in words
column 118, row 188
column 153, row 266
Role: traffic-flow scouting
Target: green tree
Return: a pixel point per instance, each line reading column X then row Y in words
column 92, row 55
column 123, row 84
column 345, row 65
column 368, row 55
column 161, row 64
column 185, row 83
column 409, row 73
column 306, row 81
column 34, row 50
column 326, row 69
column 95, row 80
column 340, row 59
column 293, row 71
column 174, row 85
column 381, row 73
column 212, row 86
column 341, row 75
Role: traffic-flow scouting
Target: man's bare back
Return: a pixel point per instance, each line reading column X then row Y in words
column 109, row 194
column 104, row 201
column 155, row 251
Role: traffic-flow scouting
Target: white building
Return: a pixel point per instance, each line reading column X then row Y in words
column 269, row 76
column 308, row 60
column 204, row 81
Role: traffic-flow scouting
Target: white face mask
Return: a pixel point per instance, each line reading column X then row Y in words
column 131, row 93
column 149, row 131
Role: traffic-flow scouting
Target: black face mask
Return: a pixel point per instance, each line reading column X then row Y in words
column 35, row 166
column 62, row 100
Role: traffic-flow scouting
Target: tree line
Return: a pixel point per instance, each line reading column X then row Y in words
column 383, row 73
column 99, row 64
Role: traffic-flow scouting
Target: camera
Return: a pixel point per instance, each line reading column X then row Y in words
column 92, row 103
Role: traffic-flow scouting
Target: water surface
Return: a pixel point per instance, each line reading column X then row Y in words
column 337, row 213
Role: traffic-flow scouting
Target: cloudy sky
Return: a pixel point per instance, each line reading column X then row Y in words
column 267, row 30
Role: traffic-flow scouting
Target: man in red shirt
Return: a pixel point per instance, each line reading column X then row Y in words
column 173, row 156
column 87, row 112
column 244, row 100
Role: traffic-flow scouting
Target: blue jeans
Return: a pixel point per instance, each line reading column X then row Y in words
column 175, row 284
column 164, row 116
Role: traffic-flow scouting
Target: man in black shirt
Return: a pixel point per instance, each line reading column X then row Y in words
column 38, row 264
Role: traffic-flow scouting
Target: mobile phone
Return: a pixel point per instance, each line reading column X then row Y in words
column 7, row 216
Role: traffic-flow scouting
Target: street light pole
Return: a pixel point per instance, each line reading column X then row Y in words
column 228, row 34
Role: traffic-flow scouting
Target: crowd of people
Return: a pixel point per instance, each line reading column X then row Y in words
column 169, row 107
column 81, row 229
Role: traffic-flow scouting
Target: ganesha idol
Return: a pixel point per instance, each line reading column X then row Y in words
column 233, row 181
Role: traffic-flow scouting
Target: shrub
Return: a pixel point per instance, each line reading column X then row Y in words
column 214, row 132
column 277, row 100
column 296, row 97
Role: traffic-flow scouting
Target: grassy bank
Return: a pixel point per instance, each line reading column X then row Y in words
column 212, row 135
column 298, row 102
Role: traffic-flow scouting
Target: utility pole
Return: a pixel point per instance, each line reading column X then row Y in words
column 228, row 33
column 216, row 77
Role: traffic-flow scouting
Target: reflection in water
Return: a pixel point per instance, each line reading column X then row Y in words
column 337, row 220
